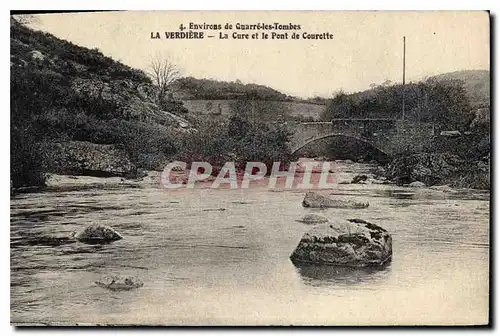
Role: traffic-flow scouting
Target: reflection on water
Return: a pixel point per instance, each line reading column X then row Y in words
column 338, row 276
column 232, row 266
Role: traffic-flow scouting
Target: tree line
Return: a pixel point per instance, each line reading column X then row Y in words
column 443, row 102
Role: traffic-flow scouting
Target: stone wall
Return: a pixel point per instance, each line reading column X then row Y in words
column 85, row 158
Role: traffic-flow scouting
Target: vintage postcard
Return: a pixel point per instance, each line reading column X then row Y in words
column 262, row 168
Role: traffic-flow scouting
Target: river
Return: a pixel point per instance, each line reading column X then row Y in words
column 204, row 265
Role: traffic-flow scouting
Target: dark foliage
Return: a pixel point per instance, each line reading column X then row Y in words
column 240, row 139
column 443, row 102
column 212, row 89
column 26, row 160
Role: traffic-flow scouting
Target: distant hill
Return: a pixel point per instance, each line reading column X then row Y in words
column 476, row 84
column 207, row 96
column 190, row 88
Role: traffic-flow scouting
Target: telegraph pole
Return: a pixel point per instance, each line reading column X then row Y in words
column 404, row 70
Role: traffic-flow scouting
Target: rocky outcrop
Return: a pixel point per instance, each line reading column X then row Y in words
column 119, row 283
column 315, row 200
column 417, row 184
column 132, row 100
column 97, row 234
column 86, row 158
column 36, row 56
column 359, row 178
column 313, row 219
column 71, row 95
column 353, row 243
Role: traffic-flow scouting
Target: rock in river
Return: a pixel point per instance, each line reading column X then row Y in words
column 417, row 184
column 359, row 178
column 353, row 243
column 118, row 283
column 97, row 234
column 315, row 200
column 313, row 219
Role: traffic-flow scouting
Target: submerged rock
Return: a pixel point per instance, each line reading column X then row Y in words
column 97, row 234
column 178, row 179
column 315, row 200
column 359, row 178
column 353, row 243
column 381, row 181
column 118, row 283
column 41, row 241
column 313, row 219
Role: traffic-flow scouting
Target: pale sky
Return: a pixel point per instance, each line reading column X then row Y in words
column 367, row 47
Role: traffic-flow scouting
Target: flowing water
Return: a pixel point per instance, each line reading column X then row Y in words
column 215, row 256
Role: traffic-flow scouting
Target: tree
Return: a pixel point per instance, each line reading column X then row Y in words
column 163, row 71
column 448, row 103
column 341, row 105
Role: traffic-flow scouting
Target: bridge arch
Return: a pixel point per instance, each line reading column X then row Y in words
column 363, row 140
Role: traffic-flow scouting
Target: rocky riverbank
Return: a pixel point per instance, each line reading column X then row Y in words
column 86, row 158
column 439, row 169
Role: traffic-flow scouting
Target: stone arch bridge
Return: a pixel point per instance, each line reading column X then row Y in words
column 390, row 136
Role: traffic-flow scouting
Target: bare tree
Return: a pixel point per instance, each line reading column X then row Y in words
column 163, row 71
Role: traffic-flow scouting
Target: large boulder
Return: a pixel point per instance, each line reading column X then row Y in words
column 359, row 179
column 313, row 219
column 315, row 200
column 97, row 234
column 36, row 56
column 119, row 283
column 353, row 243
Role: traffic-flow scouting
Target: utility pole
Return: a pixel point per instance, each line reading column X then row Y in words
column 404, row 70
